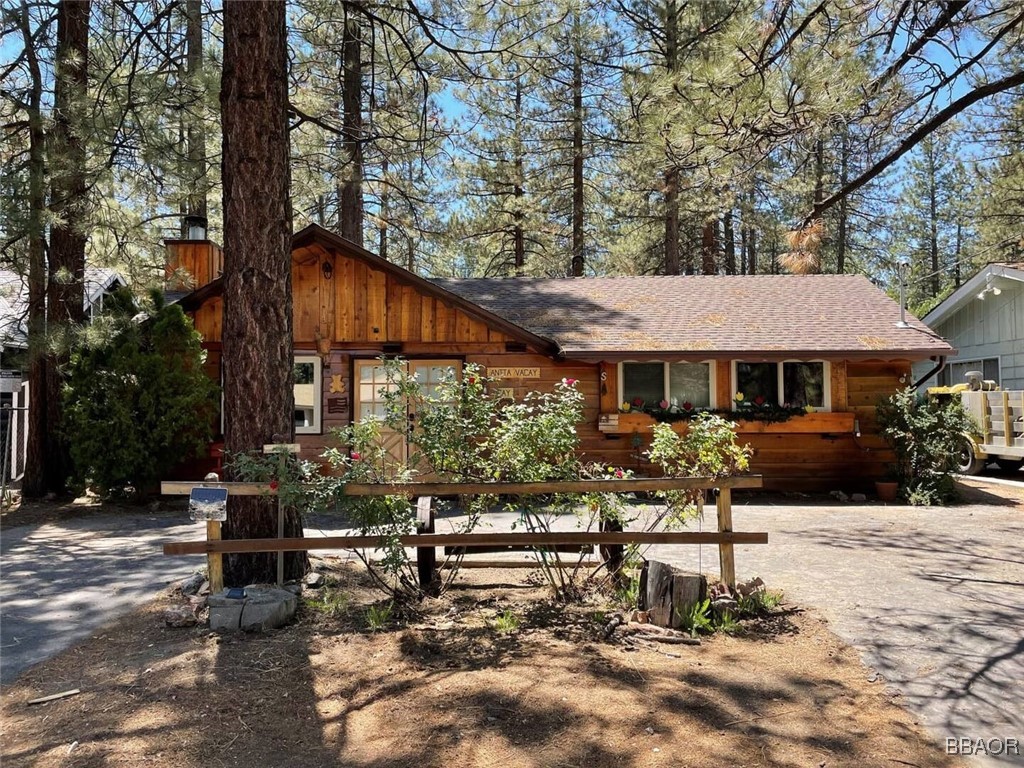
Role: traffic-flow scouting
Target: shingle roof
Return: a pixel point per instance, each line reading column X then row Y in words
column 766, row 315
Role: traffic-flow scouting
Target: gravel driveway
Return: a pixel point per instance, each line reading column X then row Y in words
column 61, row 581
column 932, row 597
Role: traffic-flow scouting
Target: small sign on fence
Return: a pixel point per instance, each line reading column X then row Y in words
column 208, row 504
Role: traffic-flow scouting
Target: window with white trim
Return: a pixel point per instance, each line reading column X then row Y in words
column 308, row 393
column 681, row 385
column 794, row 384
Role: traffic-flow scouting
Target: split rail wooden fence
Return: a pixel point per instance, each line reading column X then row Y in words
column 425, row 542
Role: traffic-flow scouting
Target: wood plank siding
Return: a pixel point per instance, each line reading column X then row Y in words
column 348, row 308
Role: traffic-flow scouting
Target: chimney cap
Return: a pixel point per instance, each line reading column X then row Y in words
column 195, row 226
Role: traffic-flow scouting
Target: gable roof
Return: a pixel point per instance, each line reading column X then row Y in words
column 989, row 275
column 695, row 316
column 754, row 316
column 315, row 234
column 14, row 300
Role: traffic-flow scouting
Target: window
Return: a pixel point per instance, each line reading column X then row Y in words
column 307, row 391
column 677, row 383
column 954, row 373
column 794, row 384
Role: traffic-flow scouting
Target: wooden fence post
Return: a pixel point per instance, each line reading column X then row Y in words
column 426, row 557
column 214, row 560
column 726, row 556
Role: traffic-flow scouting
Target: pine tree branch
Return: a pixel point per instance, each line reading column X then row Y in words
column 925, row 129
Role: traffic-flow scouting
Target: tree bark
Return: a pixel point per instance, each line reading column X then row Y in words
column 196, row 194
column 35, row 482
column 257, row 334
column 752, row 252
column 672, row 221
column 709, row 247
column 841, row 230
column 351, row 196
column 672, row 172
column 933, row 218
column 518, row 189
column 65, row 295
column 730, row 242
column 577, row 150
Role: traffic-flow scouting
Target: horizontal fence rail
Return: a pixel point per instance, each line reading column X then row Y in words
column 644, row 485
column 426, row 541
column 235, row 546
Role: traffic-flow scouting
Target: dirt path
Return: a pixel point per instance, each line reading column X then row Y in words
column 449, row 687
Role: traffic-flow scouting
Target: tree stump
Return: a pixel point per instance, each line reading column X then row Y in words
column 667, row 593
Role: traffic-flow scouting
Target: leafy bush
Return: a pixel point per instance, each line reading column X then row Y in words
column 463, row 432
column 707, row 449
column 925, row 435
column 137, row 401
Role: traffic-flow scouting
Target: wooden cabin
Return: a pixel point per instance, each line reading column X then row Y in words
column 818, row 351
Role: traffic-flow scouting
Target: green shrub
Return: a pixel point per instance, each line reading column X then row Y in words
column 708, row 449
column 925, row 435
column 137, row 401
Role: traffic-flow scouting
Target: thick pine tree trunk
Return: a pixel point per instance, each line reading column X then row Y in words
column 35, row 483
column 65, row 298
column 257, row 347
column 709, row 247
column 518, row 192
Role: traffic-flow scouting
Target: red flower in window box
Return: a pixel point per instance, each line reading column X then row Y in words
column 687, row 406
column 638, row 402
column 759, row 400
column 569, row 382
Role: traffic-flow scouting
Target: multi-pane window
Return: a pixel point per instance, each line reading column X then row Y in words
column 678, row 384
column 307, row 393
column 793, row 384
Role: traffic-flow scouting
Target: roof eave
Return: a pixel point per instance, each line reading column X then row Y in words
column 755, row 355
column 966, row 292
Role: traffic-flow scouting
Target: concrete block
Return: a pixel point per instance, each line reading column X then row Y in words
column 225, row 613
column 266, row 608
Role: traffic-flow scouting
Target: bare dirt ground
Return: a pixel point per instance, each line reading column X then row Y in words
column 458, row 683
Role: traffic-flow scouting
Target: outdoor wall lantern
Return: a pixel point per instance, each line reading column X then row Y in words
column 328, row 269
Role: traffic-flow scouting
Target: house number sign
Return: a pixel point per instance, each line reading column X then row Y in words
column 514, row 373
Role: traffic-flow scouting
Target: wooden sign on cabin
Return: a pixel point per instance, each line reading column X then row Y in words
column 208, row 504
column 513, row 373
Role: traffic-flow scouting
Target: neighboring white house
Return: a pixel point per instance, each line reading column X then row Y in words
column 99, row 283
column 984, row 321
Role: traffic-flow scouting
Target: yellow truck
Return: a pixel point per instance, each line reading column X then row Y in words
column 999, row 419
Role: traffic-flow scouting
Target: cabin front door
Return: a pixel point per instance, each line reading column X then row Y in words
column 372, row 386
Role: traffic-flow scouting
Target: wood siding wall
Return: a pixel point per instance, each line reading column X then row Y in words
column 354, row 310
